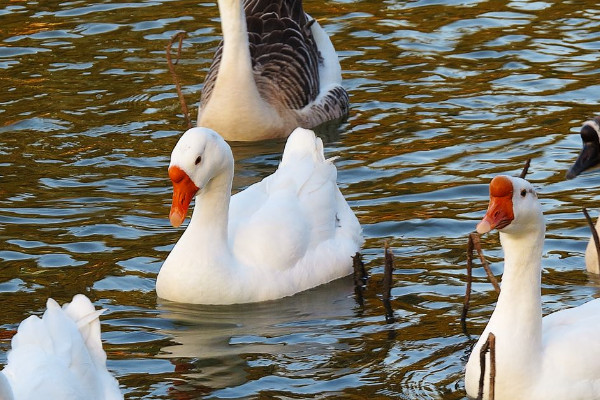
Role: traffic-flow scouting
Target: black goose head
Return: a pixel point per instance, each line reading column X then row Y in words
column 590, row 154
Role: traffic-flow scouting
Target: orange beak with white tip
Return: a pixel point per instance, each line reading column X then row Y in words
column 184, row 190
column 500, row 210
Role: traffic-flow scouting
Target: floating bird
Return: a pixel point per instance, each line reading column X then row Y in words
column 590, row 154
column 275, row 70
column 555, row 357
column 287, row 233
column 59, row 356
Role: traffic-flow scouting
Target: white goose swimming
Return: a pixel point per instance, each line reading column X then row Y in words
column 59, row 357
column 555, row 357
column 290, row 232
column 275, row 70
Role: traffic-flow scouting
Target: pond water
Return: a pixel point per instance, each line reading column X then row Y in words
column 445, row 94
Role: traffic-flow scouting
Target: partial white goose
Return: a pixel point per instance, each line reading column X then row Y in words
column 555, row 357
column 591, row 254
column 290, row 232
column 59, row 356
column 275, row 70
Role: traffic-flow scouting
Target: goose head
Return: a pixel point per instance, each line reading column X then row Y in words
column 199, row 156
column 514, row 207
column 590, row 154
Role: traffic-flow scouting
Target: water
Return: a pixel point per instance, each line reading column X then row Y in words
column 445, row 95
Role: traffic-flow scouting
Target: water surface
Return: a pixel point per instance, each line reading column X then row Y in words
column 445, row 94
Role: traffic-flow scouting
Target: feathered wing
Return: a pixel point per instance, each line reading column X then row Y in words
column 5, row 389
column 301, row 199
column 284, row 54
column 571, row 353
column 61, row 355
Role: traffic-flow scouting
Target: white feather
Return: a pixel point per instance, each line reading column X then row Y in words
column 59, row 356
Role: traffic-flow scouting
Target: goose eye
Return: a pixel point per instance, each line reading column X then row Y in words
column 523, row 192
column 198, row 160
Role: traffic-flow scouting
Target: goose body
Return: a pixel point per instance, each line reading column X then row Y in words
column 591, row 254
column 59, row 357
column 589, row 157
column 275, row 70
column 555, row 357
column 290, row 232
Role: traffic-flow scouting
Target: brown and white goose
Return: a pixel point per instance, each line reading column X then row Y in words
column 274, row 70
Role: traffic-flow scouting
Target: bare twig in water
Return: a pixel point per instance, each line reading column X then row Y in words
column 489, row 345
column 474, row 243
column 477, row 244
column 360, row 277
column 525, row 168
column 594, row 234
column 179, row 36
column 465, row 310
column 387, row 284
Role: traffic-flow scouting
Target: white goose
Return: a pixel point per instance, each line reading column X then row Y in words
column 275, row 70
column 290, row 232
column 555, row 357
column 59, row 357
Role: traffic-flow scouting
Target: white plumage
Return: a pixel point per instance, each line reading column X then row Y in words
column 290, row 232
column 59, row 356
column 555, row 357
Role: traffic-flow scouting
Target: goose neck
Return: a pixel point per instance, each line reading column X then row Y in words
column 517, row 318
column 236, row 51
column 210, row 218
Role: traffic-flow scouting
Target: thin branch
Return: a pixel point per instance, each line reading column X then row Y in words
column 525, row 168
column 492, row 346
column 489, row 345
column 387, row 284
column 472, row 244
column 594, row 234
column 477, row 244
column 465, row 310
column 179, row 36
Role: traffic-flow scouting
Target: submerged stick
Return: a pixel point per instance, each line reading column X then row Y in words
column 525, row 168
column 474, row 243
column 178, row 36
column 477, row 244
column 360, row 277
column 465, row 310
column 594, row 234
column 489, row 345
column 387, row 284
column 492, row 347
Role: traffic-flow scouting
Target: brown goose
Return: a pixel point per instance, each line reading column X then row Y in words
column 274, row 70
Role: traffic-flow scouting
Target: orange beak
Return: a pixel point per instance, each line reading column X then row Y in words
column 183, row 192
column 500, row 210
